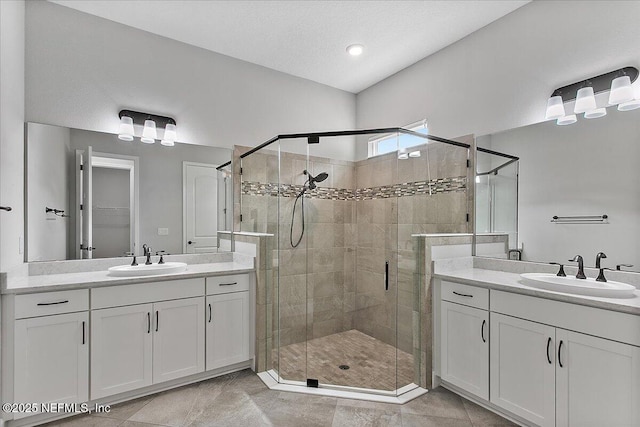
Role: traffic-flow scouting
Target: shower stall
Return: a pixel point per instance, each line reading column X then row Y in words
column 344, row 292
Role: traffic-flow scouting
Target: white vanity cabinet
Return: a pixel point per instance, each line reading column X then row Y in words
column 464, row 336
column 51, row 351
column 550, row 363
column 228, row 321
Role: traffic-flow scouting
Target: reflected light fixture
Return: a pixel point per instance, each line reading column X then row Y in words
column 617, row 83
column 567, row 120
column 414, row 154
column 402, row 154
column 150, row 123
column 125, row 133
column 355, row 49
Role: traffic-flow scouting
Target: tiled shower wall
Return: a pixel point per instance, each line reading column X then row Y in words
column 363, row 215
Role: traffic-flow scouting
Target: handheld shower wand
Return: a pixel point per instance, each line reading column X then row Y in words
column 310, row 184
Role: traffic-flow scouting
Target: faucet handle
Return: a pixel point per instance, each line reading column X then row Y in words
column 561, row 272
column 134, row 263
column 161, row 253
column 618, row 267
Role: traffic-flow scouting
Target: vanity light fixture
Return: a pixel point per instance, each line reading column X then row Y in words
column 402, row 154
column 125, row 133
column 150, row 123
column 618, row 83
column 355, row 49
column 414, row 154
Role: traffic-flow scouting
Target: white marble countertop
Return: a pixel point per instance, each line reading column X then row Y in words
column 92, row 279
column 510, row 282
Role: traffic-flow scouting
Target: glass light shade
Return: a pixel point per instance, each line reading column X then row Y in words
column 402, row 154
column 567, row 120
column 149, row 133
column 170, row 132
column 167, row 143
column 414, row 154
column 477, row 179
column 555, row 108
column 125, row 133
column 585, row 100
column 634, row 103
column 594, row 114
column 621, row 90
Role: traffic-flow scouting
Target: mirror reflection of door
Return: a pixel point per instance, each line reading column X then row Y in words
column 108, row 213
column 200, row 204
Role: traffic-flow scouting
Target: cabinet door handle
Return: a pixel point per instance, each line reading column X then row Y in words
column 228, row 284
column 148, row 322
column 209, row 313
column 549, row 345
column 463, row 295
column 386, row 275
column 484, row 322
column 559, row 350
column 53, row 303
column 83, row 333
column 157, row 320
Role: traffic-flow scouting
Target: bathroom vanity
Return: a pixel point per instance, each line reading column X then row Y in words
column 539, row 357
column 88, row 337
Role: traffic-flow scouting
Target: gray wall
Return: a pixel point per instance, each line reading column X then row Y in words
column 82, row 70
column 48, row 159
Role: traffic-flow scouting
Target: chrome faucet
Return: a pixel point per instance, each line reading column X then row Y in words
column 580, row 262
column 599, row 256
column 147, row 252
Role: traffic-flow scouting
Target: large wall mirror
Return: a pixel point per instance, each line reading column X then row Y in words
column 573, row 190
column 91, row 195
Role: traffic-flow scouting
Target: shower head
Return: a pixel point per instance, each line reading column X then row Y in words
column 313, row 179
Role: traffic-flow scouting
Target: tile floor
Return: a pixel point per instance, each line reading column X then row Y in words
column 372, row 363
column 241, row 399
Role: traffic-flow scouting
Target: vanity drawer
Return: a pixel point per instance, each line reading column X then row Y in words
column 472, row 296
column 47, row 303
column 227, row 284
column 142, row 293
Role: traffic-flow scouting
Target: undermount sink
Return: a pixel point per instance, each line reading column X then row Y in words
column 571, row 285
column 147, row 270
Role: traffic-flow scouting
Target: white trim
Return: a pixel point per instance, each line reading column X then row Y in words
column 132, row 164
column 400, row 396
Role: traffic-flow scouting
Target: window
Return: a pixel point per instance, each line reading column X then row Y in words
column 393, row 142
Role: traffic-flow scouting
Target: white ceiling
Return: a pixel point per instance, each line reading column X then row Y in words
column 308, row 38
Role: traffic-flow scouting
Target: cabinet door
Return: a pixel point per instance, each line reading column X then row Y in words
column 523, row 369
column 598, row 382
column 465, row 348
column 121, row 344
column 52, row 359
column 178, row 341
column 227, row 329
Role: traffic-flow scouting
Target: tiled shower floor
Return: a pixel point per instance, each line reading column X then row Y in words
column 372, row 363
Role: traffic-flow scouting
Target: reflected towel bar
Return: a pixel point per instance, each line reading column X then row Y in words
column 581, row 219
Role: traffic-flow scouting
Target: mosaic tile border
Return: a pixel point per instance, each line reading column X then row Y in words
column 434, row 186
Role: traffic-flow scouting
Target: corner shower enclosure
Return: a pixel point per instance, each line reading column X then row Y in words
column 344, row 292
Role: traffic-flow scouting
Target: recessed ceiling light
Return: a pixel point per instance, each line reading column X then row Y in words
column 355, row 49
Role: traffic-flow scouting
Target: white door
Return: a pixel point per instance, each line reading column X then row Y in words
column 86, row 205
column 227, row 329
column 178, row 342
column 465, row 348
column 52, row 359
column 121, row 345
column 598, row 382
column 522, row 368
column 200, row 198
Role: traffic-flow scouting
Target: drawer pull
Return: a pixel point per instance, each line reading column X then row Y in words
column 210, row 311
column 484, row 322
column 463, row 295
column 53, row 303
column 549, row 357
column 228, row 284
column 148, row 322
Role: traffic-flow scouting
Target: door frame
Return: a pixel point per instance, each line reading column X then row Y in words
column 185, row 165
column 132, row 164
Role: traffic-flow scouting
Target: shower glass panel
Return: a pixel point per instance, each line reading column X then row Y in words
column 344, row 296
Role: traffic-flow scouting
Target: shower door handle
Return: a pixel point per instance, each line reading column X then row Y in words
column 386, row 275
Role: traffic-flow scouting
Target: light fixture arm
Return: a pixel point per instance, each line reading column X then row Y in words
column 139, row 118
column 601, row 83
